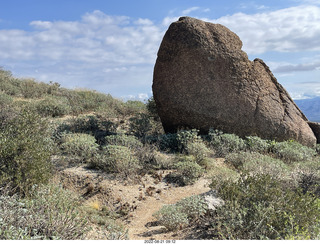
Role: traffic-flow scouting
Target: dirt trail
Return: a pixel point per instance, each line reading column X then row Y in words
column 141, row 228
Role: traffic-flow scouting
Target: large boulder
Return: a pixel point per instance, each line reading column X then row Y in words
column 202, row 79
column 315, row 127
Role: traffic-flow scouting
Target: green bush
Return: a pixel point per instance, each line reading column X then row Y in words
column 256, row 163
column 120, row 160
column 82, row 146
column 256, row 144
column 292, row 151
column 152, row 108
column 194, row 206
column 134, row 107
column 186, row 137
column 5, row 100
column 168, row 142
column 151, row 159
column 318, row 149
column 187, row 171
column 200, row 151
column 8, row 84
column 52, row 106
column 95, row 125
column 259, row 207
column 25, row 151
column 141, row 125
column 123, row 140
column 225, row 143
column 179, row 215
column 50, row 213
column 172, row 217
column 32, row 89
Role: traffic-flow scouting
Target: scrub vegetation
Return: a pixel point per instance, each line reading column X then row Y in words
column 270, row 190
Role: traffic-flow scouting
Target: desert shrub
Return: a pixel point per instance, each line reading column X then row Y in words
column 172, row 217
column 187, row 171
column 32, row 89
column 52, row 106
column 5, row 99
column 118, row 159
column 186, row 137
column 168, row 142
column 152, row 108
column 91, row 100
column 258, row 207
column 95, row 125
column 310, row 182
column 200, row 151
column 141, row 125
column 292, row 151
column 7, row 113
column 82, row 146
column 151, row 158
column 194, row 207
column 318, row 149
column 25, row 151
column 49, row 213
column 256, row 144
column 88, row 101
column 123, row 140
column 222, row 172
column 177, row 216
column 8, row 84
column 134, row 107
column 256, row 163
column 225, row 143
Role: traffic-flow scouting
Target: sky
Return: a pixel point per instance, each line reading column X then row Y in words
column 111, row 45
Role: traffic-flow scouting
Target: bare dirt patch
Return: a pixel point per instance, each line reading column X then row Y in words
column 136, row 201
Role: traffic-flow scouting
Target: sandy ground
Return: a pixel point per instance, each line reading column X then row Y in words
column 141, row 199
column 141, row 226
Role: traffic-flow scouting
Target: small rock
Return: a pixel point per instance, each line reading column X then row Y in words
column 212, row 200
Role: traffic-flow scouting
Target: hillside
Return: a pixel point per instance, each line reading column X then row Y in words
column 310, row 107
column 79, row 164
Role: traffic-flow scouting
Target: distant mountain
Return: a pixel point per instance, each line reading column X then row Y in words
column 310, row 107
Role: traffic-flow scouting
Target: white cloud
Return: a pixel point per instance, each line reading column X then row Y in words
column 189, row 10
column 116, row 54
column 98, row 51
column 291, row 29
column 287, row 68
column 96, row 38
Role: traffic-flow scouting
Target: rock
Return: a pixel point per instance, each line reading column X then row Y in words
column 202, row 79
column 212, row 200
column 316, row 129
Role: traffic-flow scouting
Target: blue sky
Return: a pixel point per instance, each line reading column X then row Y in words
column 111, row 45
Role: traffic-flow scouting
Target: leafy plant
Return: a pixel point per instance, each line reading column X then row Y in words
column 124, row 140
column 200, row 151
column 256, row 163
column 258, row 207
column 172, row 217
column 292, row 151
column 53, row 107
column 49, row 213
column 177, row 216
column 185, row 137
column 118, row 159
column 25, row 151
column 194, row 207
column 83, row 146
column 225, row 143
column 256, row 144
column 141, row 125
column 187, row 172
